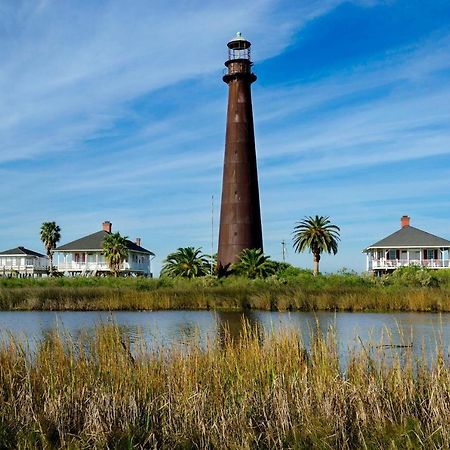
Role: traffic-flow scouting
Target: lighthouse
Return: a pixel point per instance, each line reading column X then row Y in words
column 240, row 215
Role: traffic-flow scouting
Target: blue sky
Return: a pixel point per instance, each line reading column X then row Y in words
column 116, row 110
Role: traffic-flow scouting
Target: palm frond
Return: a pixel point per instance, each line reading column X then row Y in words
column 252, row 263
column 115, row 251
column 186, row 262
column 318, row 235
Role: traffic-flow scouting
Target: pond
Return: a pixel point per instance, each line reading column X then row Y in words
column 416, row 332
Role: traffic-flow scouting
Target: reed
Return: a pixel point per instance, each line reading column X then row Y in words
column 258, row 391
column 99, row 294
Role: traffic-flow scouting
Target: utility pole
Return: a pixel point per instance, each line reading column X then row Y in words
column 283, row 250
column 212, row 234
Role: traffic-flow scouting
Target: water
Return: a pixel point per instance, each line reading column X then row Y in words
column 417, row 331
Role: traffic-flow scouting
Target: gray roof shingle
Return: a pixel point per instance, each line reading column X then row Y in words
column 94, row 241
column 409, row 236
column 22, row 251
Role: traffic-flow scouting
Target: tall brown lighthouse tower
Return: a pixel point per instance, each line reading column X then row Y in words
column 240, row 216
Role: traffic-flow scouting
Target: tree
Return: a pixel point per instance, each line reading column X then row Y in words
column 115, row 251
column 318, row 235
column 252, row 263
column 50, row 235
column 186, row 262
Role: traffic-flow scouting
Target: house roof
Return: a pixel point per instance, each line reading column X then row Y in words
column 94, row 241
column 409, row 236
column 18, row 251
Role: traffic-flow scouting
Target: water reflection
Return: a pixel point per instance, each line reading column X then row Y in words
column 230, row 325
column 419, row 331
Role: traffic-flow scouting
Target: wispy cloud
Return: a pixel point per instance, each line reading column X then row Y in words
column 68, row 70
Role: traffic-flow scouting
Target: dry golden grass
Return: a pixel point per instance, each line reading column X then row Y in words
column 262, row 295
column 254, row 392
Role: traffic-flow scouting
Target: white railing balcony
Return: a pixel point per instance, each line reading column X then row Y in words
column 97, row 266
column 23, row 268
column 81, row 266
column 395, row 263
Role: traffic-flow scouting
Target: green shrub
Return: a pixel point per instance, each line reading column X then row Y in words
column 415, row 277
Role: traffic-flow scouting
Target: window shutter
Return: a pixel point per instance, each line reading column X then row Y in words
column 398, row 254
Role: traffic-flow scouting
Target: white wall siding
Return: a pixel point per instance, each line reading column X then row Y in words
column 23, row 264
column 92, row 262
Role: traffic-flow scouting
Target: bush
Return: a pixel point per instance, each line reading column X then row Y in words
column 414, row 276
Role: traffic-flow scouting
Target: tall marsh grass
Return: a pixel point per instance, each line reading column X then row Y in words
column 255, row 392
column 332, row 293
column 299, row 291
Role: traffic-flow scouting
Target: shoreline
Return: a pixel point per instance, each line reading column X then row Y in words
column 151, row 295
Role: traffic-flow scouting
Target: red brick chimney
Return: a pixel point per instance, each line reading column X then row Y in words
column 404, row 221
column 138, row 241
column 107, row 226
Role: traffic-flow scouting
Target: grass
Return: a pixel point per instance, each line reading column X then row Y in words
column 255, row 392
column 409, row 290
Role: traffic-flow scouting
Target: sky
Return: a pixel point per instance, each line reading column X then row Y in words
column 113, row 110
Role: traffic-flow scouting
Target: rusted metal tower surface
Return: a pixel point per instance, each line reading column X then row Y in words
column 240, row 216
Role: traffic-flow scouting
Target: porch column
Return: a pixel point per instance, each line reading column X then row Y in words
column 367, row 261
column 407, row 257
column 57, row 259
column 96, row 260
column 420, row 255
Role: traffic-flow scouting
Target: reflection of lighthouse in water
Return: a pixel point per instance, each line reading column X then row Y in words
column 240, row 217
column 232, row 326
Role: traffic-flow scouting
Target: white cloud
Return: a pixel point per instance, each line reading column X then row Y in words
column 66, row 71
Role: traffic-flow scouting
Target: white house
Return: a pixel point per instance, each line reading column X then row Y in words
column 406, row 247
column 84, row 256
column 23, row 262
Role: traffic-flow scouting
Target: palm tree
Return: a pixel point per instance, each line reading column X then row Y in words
column 50, row 235
column 187, row 262
column 318, row 235
column 115, row 251
column 252, row 263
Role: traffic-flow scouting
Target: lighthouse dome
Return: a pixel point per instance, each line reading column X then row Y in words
column 238, row 42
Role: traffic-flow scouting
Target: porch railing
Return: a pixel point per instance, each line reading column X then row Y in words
column 22, row 267
column 93, row 266
column 395, row 263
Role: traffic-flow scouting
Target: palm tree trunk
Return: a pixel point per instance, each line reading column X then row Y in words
column 316, row 264
column 50, row 258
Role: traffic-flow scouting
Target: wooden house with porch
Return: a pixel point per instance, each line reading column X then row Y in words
column 23, row 262
column 85, row 257
column 408, row 246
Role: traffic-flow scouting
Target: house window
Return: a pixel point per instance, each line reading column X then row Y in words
column 392, row 254
column 430, row 254
column 80, row 257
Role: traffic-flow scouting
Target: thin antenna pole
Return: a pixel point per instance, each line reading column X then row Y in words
column 212, row 233
column 283, row 250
